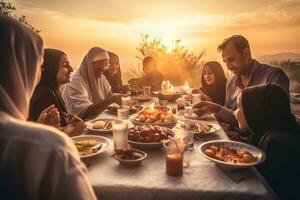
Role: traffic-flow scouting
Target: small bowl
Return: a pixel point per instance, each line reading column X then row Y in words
column 132, row 163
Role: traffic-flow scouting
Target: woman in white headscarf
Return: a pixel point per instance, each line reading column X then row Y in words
column 89, row 92
column 36, row 161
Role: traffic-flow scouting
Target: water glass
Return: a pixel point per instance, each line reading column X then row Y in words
column 147, row 90
column 126, row 101
column 123, row 112
column 120, row 134
column 196, row 98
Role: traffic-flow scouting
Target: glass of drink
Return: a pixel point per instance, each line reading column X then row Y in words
column 196, row 98
column 120, row 134
column 188, row 111
column 174, row 160
column 126, row 101
column 123, row 112
column 147, row 90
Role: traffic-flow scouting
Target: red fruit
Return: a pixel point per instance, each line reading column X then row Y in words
column 141, row 139
column 163, row 136
column 156, row 137
column 131, row 136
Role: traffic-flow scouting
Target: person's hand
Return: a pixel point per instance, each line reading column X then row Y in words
column 50, row 116
column 74, row 129
column 116, row 98
column 206, row 107
column 71, row 118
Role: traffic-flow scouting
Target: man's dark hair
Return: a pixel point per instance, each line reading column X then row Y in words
column 148, row 59
column 238, row 41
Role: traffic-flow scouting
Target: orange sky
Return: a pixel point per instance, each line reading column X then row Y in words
column 74, row 26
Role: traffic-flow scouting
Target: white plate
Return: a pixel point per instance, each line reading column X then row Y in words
column 99, row 139
column 258, row 153
column 90, row 124
column 215, row 128
column 194, row 116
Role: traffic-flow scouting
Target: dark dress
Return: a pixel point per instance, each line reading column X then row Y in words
column 47, row 92
column 154, row 80
column 267, row 112
column 115, row 81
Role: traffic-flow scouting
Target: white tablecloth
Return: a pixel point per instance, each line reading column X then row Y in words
column 201, row 180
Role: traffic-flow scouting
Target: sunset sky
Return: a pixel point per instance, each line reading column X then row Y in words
column 271, row 26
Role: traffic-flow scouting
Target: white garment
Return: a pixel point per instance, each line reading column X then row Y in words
column 39, row 162
column 36, row 161
column 84, row 89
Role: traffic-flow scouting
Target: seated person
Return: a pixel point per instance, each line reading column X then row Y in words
column 114, row 75
column 36, row 161
column 56, row 72
column 265, row 111
column 152, row 77
column 246, row 72
column 213, row 82
column 89, row 93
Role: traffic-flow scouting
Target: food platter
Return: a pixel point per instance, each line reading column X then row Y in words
column 100, row 125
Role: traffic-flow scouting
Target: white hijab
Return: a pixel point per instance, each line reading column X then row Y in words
column 84, row 89
column 21, row 55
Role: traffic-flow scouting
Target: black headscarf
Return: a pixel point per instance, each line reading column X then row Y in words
column 48, row 81
column 217, row 90
column 115, row 80
column 267, row 108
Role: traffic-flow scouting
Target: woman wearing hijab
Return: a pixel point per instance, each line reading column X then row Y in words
column 56, row 70
column 265, row 111
column 89, row 93
column 213, row 82
column 36, row 161
column 113, row 74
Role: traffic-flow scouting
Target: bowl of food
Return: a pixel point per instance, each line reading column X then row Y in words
column 231, row 154
column 113, row 109
column 168, row 95
column 100, row 125
column 149, row 137
column 90, row 146
column 142, row 98
column 130, row 157
column 154, row 116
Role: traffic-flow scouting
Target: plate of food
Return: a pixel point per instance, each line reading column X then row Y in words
column 149, row 137
column 90, row 146
column 113, row 109
column 200, row 128
column 231, row 154
column 142, row 98
column 154, row 116
column 100, row 125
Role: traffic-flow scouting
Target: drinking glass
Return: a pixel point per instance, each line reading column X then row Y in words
column 126, row 101
column 120, row 134
column 123, row 112
column 196, row 98
column 147, row 90
column 174, row 160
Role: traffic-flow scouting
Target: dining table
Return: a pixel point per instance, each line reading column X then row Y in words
column 202, row 179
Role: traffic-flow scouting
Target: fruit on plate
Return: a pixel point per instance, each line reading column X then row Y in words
column 148, row 133
column 154, row 115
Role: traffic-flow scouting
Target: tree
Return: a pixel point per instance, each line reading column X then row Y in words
column 178, row 64
column 7, row 9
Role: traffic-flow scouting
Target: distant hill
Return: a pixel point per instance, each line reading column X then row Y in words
column 279, row 57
